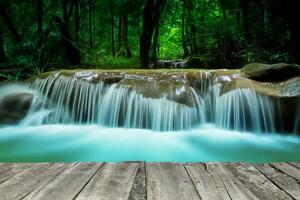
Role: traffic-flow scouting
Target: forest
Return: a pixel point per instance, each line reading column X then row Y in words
column 42, row 35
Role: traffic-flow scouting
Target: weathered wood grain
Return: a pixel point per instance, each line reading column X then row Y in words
column 138, row 191
column 169, row 181
column 113, row 182
column 68, row 184
column 8, row 171
column 262, row 187
column 23, row 184
column 153, row 181
column 283, row 181
column 208, row 186
column 235, row 188
column 288, row 169
column 295, row 164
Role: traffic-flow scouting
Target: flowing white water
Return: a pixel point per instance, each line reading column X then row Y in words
column 243, row 110
column 71, row 101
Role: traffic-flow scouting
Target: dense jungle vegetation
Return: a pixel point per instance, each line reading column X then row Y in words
column 42, row 35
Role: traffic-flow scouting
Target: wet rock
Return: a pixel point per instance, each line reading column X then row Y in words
column 176, row 64
column 14, row 107
column 271, row 73
column 288, row 88
column 173, row 87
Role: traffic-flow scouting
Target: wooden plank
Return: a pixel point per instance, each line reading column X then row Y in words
column 295, row 164
column 288, row 169
column 138, row 191
column 113, row 182
column 21, row 185
column 283, row 181
column 234, row 187
column 68, row 184
column 7, row 171
column 169, row 181
column 208, row 187
column 258, row 183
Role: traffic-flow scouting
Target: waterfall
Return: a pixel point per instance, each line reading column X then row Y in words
column 77, row 101
column 243, row 110
column 69, row 100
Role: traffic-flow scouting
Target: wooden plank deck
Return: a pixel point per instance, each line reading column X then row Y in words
column 153, row 181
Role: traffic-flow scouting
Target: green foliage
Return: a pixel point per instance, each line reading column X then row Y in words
column 100, row 59
column 214, row 33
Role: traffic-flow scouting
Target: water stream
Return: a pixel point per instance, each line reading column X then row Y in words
column 74, row 120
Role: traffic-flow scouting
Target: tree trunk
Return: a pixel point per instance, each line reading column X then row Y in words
column 39, row 8
column 190, row 45
column 3, row 57
column 9, row 23
column 155, row 48
column 183, row 33
column 91, row 42
column 40, row 58
column 112, row 23
column 245, row 15
column 124, row 49
column 293, row 23
column 150, row 17
column 222, row 2
column 64, row 10
column 71, row 51
column 77, row 21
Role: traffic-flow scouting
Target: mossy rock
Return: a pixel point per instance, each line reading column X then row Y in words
column 271, row 73
column 14, row 107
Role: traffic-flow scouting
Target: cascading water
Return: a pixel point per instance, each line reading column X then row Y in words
column 244, row 110
column 71, row 101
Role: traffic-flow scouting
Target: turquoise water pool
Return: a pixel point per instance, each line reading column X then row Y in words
column 67, row 143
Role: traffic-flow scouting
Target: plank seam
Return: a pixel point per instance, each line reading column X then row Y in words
column 140, row 167
column 184, row 166
column 18, row 174
column 274, row 183
column 93, row 175
column 277, row 169
column 146, row 181
column 26, row 194
column 206, row 169
column 294, row 165
column 52, row 179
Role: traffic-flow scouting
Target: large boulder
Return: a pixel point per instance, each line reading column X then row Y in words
column 14, row 107
column 271, row 73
